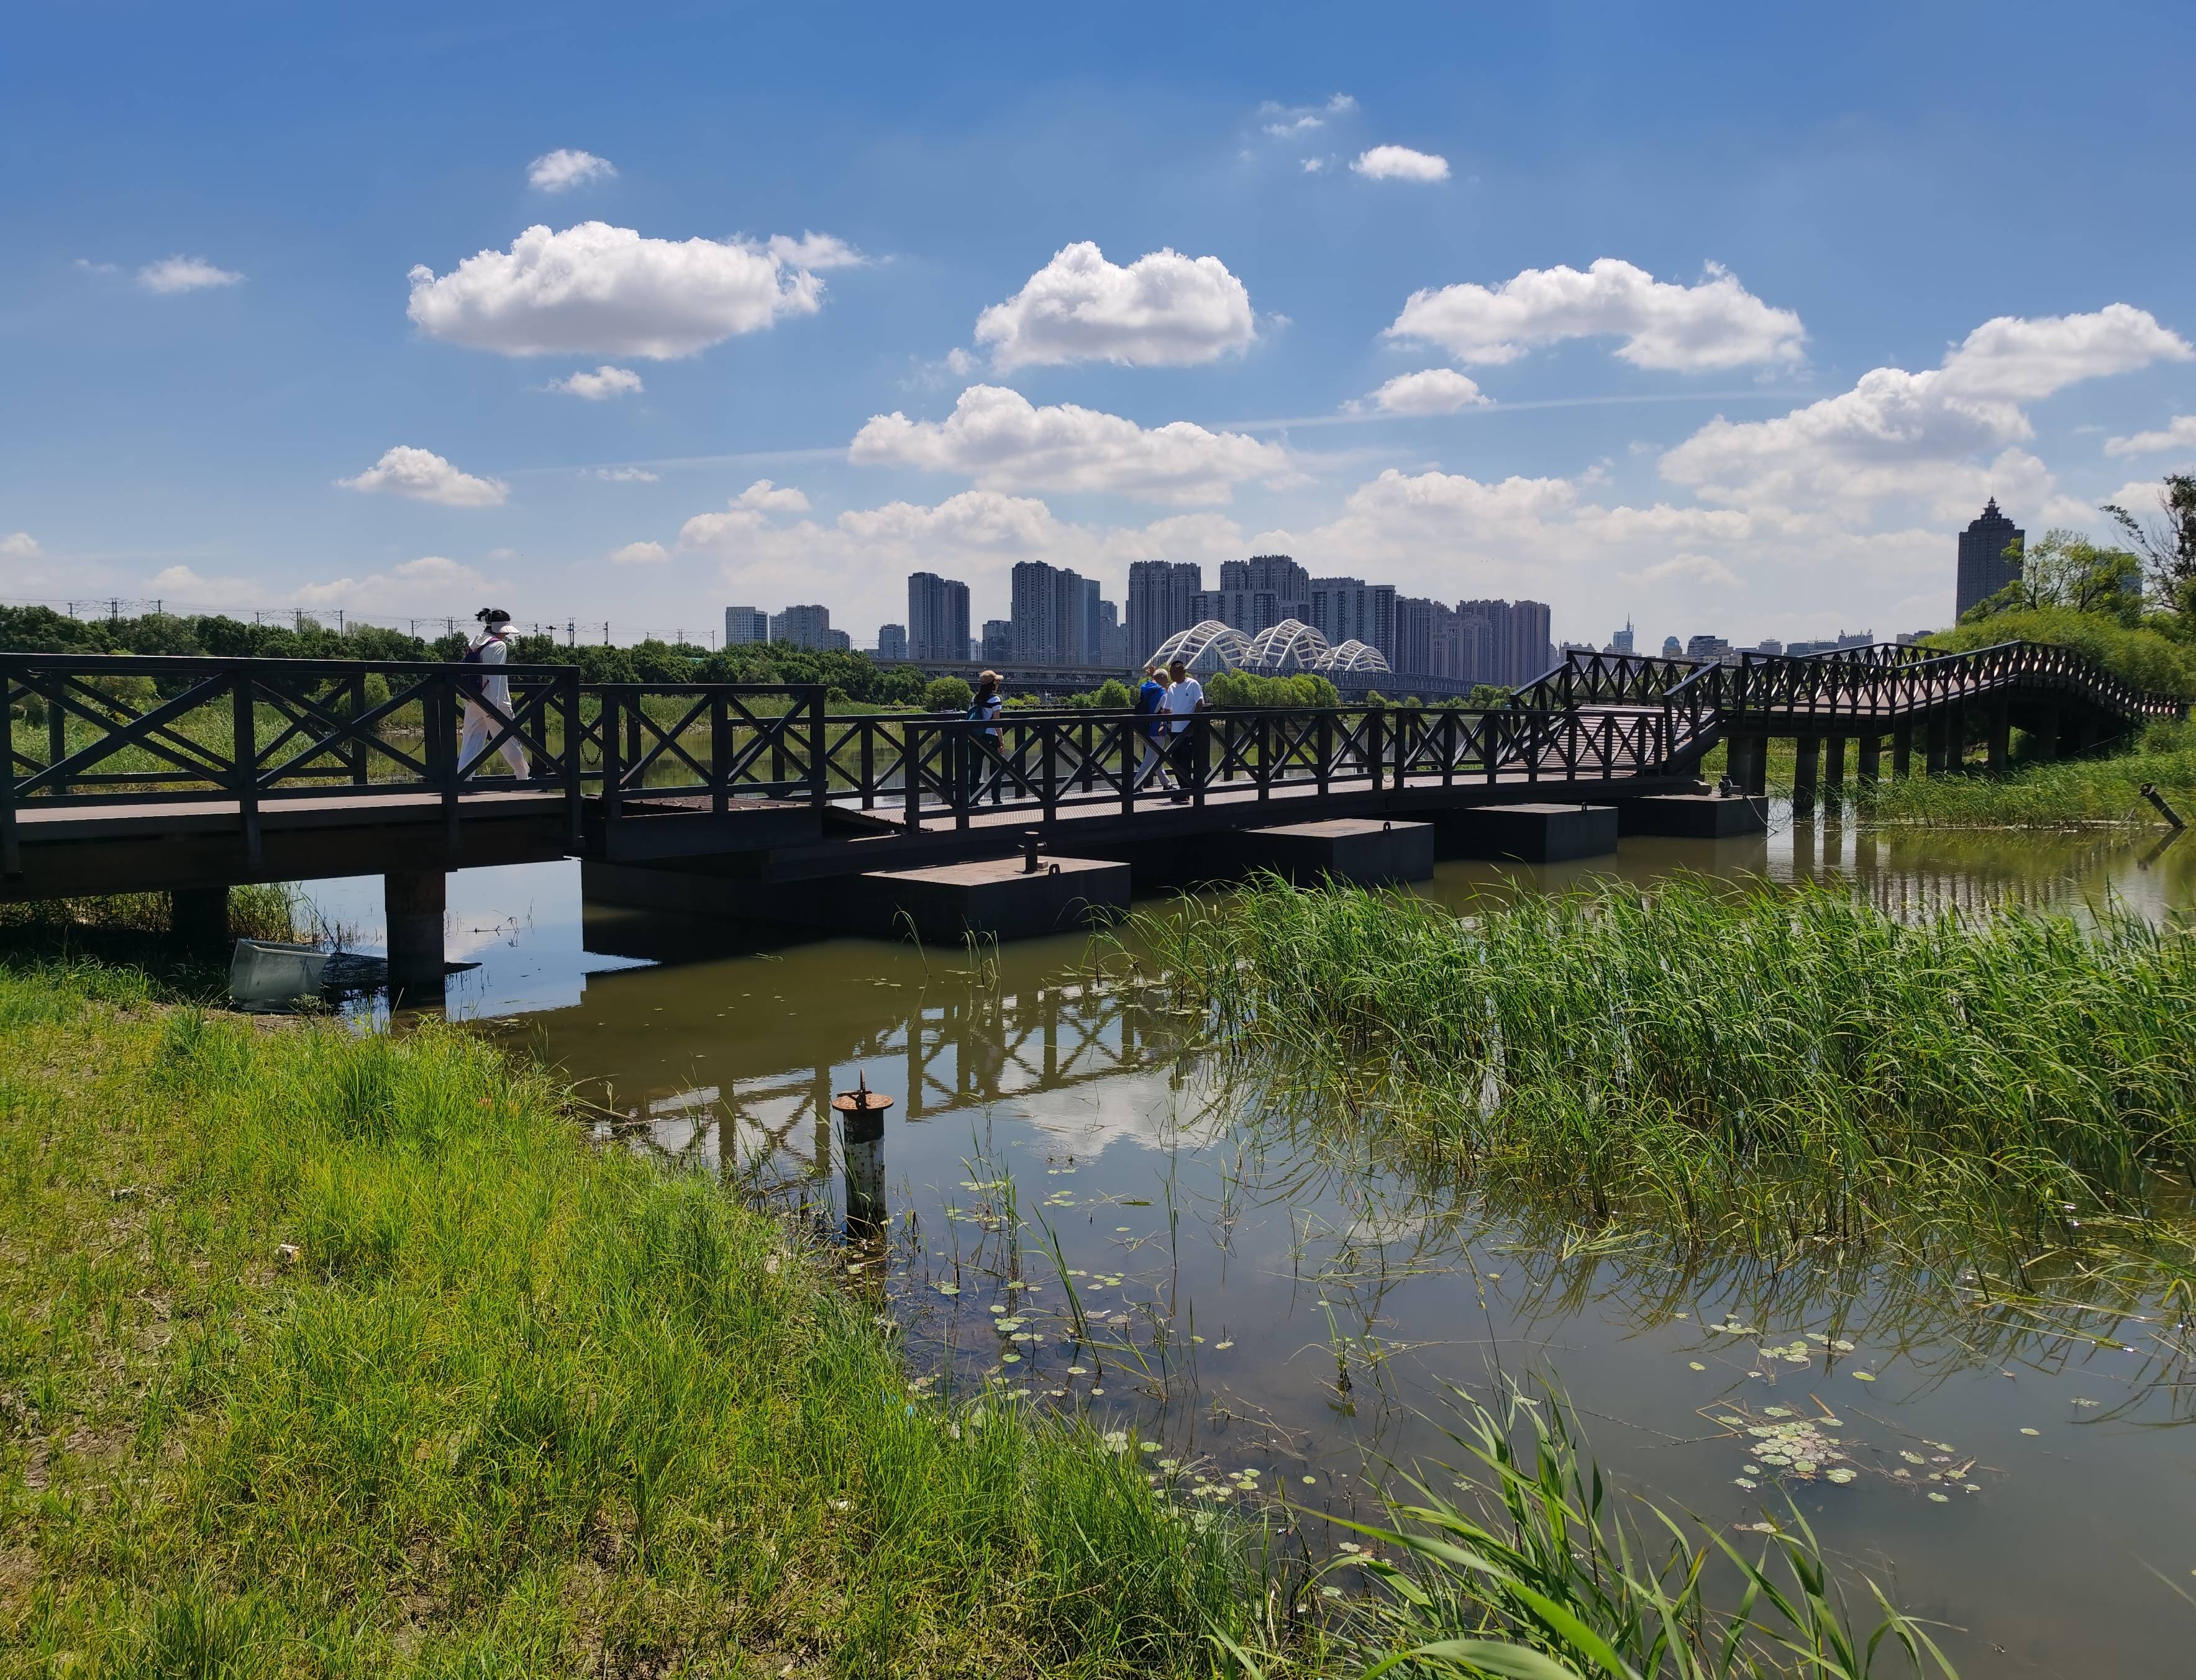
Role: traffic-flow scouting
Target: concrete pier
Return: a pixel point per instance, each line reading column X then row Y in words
column 199, row 917
column 1871, row 767
column 1691, row 816
column 1807, row 765
column 414, row 903
column 1531, row 833
column 998, row 898
column 1361, row 852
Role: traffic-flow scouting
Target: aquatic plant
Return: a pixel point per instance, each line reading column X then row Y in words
column 1776, row 1068
column 1538, row 1571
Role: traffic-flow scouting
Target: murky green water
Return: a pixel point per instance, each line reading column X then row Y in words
column 1256, row 1300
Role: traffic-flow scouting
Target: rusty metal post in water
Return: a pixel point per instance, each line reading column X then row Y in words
column 862, row 1144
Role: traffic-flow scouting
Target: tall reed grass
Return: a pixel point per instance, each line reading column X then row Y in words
column 1540, row 1571
column 1768, row 1067
column 323, row 1354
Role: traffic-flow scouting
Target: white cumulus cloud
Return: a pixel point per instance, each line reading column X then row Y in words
column 1694, row 568
column 1923, row 435
column 563, row 169
column 607, row 291
column 2023, row 360
column 605, row 381
column 20, row 545
column 1717, row 323
column 766, row 497
column 2178, row 434
column 1162, row 311
column 1000, row 441
column 423, row 476
column 639, row 554
column 1437, row 391
column 184, row 273
column 431, row 581
column 1400, row 163
column 621, row 474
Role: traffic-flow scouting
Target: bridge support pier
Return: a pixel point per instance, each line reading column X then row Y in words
column 1902, row 752
column 413, row 903
column 2044, row 740
column 1999, row 737
column 1871, row 768
column 1804, row 769
column 199, row 916
column 1747, row 761
column 1833, row 761
column 1939, row 728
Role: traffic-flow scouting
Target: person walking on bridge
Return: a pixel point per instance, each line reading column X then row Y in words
column 1185, row 697
column 488, row 698
column 1151, row 705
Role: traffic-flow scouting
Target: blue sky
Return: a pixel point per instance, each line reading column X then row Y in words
column 1721, row 318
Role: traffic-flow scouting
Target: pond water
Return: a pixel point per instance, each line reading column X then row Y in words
column 1257, row 1301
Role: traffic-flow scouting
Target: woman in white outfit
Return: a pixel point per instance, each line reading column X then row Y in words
column 488, row 709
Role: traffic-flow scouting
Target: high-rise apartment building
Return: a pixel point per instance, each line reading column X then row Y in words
column 1984, row 567
column 1429, row 639
column 998, row 646
column 744, row 625
column 892, row 642
column 1161, row 596
column 1518, row 649
column 1087, row 636
column 1054, row 615
column 1256, row 593
column 937, row 617
column 807, row 626
column 1347, row 609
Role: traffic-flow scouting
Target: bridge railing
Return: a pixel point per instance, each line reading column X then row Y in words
column 925, row 770
column 93, row 729
column 1584, row 677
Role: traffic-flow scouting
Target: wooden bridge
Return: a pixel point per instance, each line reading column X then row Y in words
column 189, row 775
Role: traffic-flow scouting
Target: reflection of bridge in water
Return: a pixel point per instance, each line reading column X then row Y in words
column 767, row 1119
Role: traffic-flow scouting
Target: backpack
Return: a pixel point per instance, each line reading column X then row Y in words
column 472, row 687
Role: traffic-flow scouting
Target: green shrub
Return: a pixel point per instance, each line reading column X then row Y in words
column 2140, row 656
column 947, row 694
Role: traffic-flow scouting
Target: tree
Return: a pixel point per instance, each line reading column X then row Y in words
column 947, row 694
column 2167, row 544
column 2067, row 570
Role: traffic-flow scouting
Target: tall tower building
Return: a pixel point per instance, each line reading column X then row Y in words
column 1344, row 609
column 1159, row 593
column 1984, row 567
column 937, row 617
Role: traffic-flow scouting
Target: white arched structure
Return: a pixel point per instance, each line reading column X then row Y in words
column 1282, row 650
column 1353, row 659
column 1205, row 647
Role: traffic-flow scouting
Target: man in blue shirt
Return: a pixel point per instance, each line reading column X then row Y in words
column 1150, row 702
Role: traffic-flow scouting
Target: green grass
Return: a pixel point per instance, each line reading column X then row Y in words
column 1772, row 1069
column 2072, row 792
column 512, row 1407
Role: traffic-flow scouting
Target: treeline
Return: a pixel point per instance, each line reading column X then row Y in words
column 848, row 676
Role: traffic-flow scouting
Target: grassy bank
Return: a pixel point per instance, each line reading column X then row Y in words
column 511, row 1407
column 1768, row 1068
column 2070, row 793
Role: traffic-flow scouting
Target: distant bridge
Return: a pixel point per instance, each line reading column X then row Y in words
column 189, row 775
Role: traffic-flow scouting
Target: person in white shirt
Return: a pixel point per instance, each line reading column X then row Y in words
column 1185, row 696
column 488, row 698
